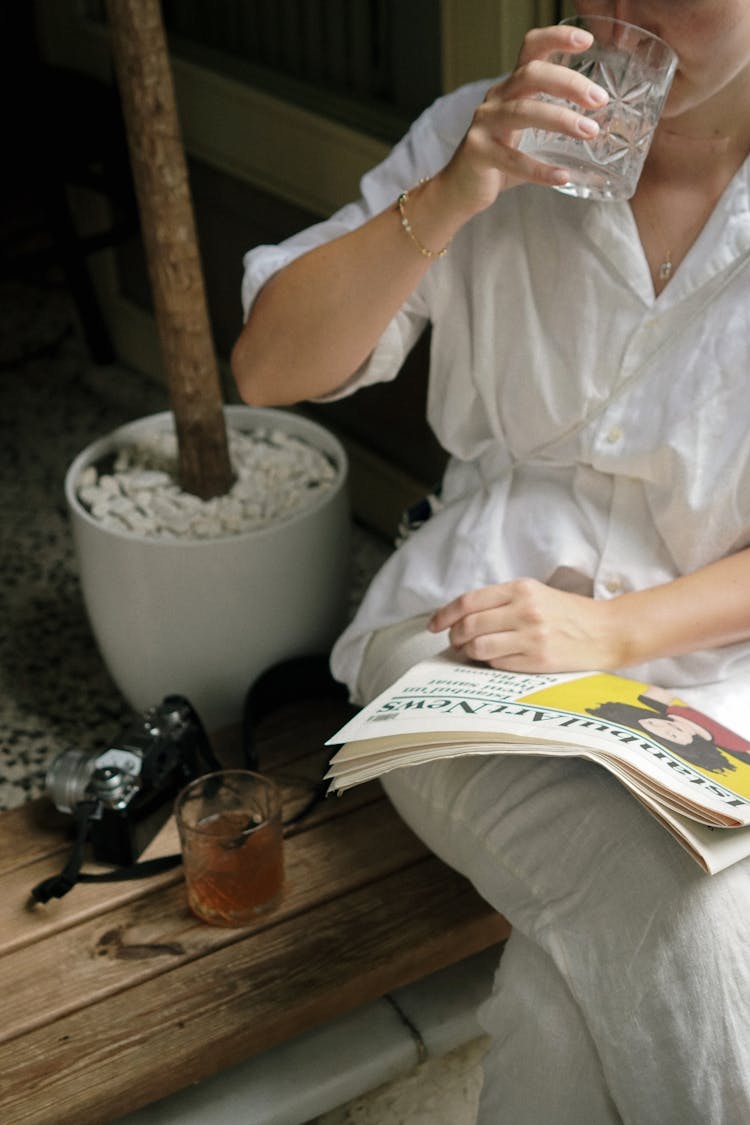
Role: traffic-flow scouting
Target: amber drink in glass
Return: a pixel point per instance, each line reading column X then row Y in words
column 232, row 846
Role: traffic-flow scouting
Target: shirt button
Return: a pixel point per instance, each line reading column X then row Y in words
column 614, row 435
column 614, row 585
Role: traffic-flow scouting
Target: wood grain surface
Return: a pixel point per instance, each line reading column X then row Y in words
column 115, row 995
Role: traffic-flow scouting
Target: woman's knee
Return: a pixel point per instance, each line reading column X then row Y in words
column 392, row 651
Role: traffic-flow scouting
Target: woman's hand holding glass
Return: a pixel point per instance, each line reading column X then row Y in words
column 488, row 160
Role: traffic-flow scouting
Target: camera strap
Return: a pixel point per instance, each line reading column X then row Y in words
column 58, row 885
column 295, row 680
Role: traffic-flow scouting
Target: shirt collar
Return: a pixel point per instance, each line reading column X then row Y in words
column 723, row 243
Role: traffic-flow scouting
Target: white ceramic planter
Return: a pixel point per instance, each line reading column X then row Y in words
column 205, row 617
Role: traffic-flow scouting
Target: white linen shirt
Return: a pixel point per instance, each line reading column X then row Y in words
column 594, row 429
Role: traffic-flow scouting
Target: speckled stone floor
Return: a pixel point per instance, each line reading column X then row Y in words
column 55, row 693
column 443, row 1091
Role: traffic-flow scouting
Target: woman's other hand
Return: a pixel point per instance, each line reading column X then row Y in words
column 526, row 626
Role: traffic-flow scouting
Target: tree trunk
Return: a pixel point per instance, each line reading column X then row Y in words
column 161, row 181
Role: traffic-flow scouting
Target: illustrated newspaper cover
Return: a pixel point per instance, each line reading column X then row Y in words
column 690, row 772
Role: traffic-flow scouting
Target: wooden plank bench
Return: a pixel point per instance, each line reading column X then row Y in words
column 116, row 996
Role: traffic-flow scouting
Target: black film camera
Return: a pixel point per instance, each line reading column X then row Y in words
column 127, row 791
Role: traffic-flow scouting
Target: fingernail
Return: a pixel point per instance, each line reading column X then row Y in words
column 580, row 38
column 587, row 126
column 597, row 96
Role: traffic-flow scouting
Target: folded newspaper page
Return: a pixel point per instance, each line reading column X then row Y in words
column 690, row 772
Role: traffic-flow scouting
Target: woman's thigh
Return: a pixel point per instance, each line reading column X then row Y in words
column 652, row 950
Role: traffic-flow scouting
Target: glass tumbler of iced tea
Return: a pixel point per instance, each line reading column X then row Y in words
column 232, row 845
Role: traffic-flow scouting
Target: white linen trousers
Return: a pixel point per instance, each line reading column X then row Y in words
column 623, row 994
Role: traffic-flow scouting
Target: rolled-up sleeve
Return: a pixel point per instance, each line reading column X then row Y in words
column 423, row 151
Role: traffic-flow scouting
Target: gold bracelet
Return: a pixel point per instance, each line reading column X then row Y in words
column 401, row 204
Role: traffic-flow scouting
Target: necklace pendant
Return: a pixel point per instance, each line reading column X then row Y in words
column 665, row 269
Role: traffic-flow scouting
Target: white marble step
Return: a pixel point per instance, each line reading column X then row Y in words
column 331, row 1065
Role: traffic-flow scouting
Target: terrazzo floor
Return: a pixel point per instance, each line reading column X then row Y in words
column 55, row 693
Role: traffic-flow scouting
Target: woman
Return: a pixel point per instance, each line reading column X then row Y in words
column 588, row 379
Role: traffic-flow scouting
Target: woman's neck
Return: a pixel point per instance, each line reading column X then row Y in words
column 681, row 153
column 711, row 139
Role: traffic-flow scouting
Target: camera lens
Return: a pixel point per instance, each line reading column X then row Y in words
column 68, row 777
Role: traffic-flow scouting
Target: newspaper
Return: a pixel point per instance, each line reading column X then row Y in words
column 690, row 772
